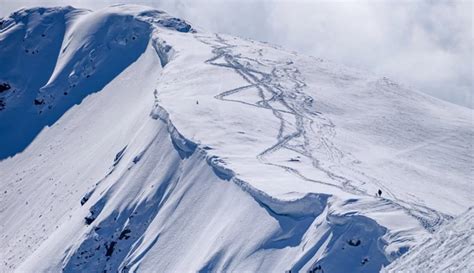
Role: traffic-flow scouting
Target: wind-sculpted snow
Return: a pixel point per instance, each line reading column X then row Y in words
column 71, row 53
column 156, row 147
column 449, row 249
column 311, row 204
column 30, row 41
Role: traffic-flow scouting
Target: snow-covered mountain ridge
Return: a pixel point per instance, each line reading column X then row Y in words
column 133, row 142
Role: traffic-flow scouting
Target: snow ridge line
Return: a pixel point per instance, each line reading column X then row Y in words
column 311, row 204
column 307, row 212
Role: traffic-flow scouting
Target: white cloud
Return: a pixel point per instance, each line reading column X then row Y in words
column 425, row 43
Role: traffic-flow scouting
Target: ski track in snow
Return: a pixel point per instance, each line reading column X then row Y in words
column 296, row 103
column 454, row 241
column 302, row 234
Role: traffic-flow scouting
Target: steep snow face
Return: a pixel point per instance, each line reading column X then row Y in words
column 449, row 249
column 145, row 145
column 30, row 43
column 58, row 56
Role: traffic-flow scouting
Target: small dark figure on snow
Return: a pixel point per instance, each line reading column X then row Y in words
column 379, row 193
column 197, row 102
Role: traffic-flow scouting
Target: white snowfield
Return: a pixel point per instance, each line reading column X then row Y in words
column 131, row 141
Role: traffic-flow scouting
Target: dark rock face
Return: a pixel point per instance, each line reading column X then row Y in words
column 38, row 101
column 110, row 248
column 354, row 242
column 176, row 23
column 125, row 234
column 4, row 87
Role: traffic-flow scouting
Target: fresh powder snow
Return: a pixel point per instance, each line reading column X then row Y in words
column 132, row 141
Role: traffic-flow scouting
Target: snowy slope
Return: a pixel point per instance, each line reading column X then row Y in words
column 449, row 249
column 131, row 141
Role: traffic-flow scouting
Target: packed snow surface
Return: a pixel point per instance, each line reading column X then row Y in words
column 131, row 141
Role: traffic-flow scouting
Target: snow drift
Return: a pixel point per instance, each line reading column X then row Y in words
column 131, row 141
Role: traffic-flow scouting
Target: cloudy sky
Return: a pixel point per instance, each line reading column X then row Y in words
column 425, row 44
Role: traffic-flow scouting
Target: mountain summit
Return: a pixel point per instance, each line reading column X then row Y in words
column 131, row 141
